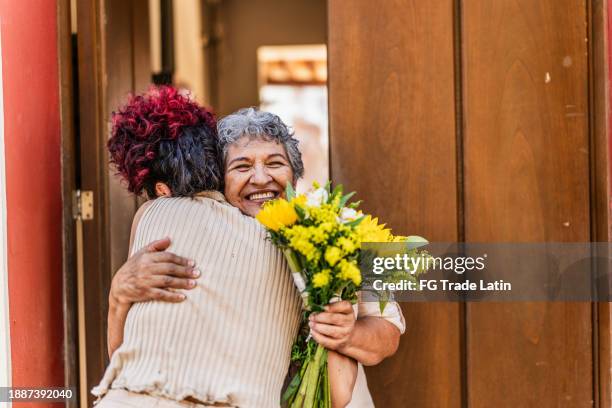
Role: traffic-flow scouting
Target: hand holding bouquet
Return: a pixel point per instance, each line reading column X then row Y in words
column 321, row 236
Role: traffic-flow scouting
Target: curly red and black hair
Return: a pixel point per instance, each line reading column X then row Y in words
column 164, row 136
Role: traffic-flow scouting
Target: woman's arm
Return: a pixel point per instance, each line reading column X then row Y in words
column 117, row 313
column 342, row 376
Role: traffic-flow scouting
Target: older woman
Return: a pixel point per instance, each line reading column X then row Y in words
column 260, row 157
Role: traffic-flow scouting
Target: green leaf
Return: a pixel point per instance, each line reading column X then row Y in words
column 416, row 238
column 300, row 212
column 355, row 205
column 327, row 402
column 327, row 186
column 289, row 192
column 355, row 223
column 292, row 260
column 382, row 304
column 291, row 388
column 337, row 190
column 346, row 198
column 384, row 299
column 415, row 241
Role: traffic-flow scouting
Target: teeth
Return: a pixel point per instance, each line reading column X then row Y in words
column 261, row 196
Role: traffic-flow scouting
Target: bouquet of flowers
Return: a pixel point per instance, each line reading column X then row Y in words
column 321, row 236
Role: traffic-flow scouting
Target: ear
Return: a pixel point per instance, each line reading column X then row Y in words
column 162, row 190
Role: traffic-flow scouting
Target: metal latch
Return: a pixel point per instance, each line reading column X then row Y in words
column 83, row 205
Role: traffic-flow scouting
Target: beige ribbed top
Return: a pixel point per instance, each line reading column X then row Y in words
column 230, row 340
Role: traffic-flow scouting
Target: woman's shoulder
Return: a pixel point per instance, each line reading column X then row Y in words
column 136, row 221
column 209, row 198
column 204, row 203
column 209, row 208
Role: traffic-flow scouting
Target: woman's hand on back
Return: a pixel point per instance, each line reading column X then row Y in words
column 151, row 274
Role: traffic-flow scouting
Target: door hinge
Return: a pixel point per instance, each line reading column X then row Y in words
column 83, row 205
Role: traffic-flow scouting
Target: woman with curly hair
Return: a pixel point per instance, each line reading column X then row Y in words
column 164, row 137
column 227, row 340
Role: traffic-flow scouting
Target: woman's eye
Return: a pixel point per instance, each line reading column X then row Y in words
column 242, row 167
column 276, row 164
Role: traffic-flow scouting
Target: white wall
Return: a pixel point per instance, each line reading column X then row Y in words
column 189, row 48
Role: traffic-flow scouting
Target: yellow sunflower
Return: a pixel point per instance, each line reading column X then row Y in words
column 369, row 230
column 276, row 214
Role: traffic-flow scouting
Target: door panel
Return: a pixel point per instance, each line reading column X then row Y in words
column 526, row 168
column 523, row 164
column 392, row 126
column 92, row 175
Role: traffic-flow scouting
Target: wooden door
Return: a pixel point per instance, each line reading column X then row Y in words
column 112, row 60
column 392, row 136
column 526, row 178
column 480, row 121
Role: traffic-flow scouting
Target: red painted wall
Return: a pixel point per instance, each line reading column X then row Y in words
column 33, row 189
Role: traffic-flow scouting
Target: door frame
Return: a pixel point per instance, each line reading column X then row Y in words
column 600, row 72
column 111, row 41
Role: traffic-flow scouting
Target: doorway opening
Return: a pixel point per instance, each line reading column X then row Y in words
column 220, row 50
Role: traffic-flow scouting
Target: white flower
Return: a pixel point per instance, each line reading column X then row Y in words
column 316, row 197
column 348, row 215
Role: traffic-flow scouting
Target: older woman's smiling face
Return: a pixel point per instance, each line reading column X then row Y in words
column 256, row 170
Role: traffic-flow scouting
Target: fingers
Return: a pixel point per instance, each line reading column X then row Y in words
column 169, row 257
column 333, row 328
column 173, row 270
column 159, row 245
column 337, row 314
column 166, row 295
column 167, row 281
column 334, row 332
column 340, row 307
column 337, row 319
column 327, row 342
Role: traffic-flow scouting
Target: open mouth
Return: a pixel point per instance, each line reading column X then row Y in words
column 261, row 197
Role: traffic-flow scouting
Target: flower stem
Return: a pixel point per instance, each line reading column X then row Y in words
column 301, row 393
column 312, row 377
column 326, row 387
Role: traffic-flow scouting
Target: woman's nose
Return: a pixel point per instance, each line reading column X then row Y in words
column 260, row 176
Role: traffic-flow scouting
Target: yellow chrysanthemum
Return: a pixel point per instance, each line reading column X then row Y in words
column 347, row 245
column 304, row 247
column 349, row 271
column 321, row 279
column 318, row 234
column 369, row 230
column 323, row 214
column 299, row 238
column 299, row 200
column 327, row 227
column 333, row 255
column 276, row 214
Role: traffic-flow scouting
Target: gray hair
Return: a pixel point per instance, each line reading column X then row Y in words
column 255, row 123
